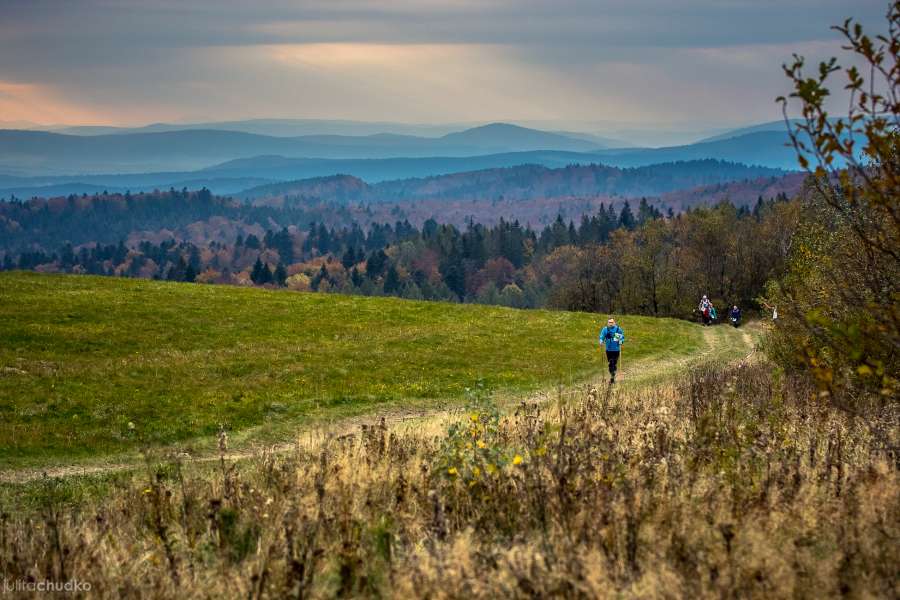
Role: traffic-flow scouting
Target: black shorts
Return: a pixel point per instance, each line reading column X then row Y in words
column 612, row 356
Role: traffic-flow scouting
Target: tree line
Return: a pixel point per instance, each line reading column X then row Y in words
column 616, row 260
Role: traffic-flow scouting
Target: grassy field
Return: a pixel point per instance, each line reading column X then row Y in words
column 717, row 483
column 93, row 366
column 707, row 473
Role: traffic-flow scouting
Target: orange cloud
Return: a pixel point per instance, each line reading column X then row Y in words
column 41, row 104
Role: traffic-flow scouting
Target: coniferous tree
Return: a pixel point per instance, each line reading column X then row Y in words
column 356, row 278
column 176, row 271
column 252, row 242
column 453, row 273
column 67, row 257
column 626, row 218
column 349, row 258
column 392, row 281
column 256, row 275
column 646, row 212
column 376, row 263
column 285, row 245
column 280, row 275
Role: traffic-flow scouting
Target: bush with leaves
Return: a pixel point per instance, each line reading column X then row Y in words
column 840, row 301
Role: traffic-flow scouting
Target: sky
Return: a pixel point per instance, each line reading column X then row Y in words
column 596, row 64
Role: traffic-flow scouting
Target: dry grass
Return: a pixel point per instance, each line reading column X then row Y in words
column 728, row 483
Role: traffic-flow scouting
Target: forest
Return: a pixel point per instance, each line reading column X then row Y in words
column 627, row 260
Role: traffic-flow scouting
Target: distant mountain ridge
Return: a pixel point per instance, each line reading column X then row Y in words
column 39, row 152
column 770, row 126
column 304, row 127
column 522, row 182
column 276, row 127
column 762, row 148
column 238, row 175
column 43, row 154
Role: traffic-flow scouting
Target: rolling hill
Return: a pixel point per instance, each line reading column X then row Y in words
column 523, row 182
column 298, row 127
column 103, row 365
column 240, row 154
column 763, row 148
column 276, row 127
column 769, row 126
column 45, row 153
column 240, row 174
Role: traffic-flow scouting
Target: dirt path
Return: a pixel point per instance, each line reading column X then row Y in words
column 336, row 428
column 723, row 343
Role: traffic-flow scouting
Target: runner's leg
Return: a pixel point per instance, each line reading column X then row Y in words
column 613, row 358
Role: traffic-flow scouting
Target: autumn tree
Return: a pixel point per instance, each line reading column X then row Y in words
column 840, row 301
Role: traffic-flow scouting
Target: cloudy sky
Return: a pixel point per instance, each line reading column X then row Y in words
column 667, row 62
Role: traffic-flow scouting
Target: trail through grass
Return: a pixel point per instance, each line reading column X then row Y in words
column 92, row 368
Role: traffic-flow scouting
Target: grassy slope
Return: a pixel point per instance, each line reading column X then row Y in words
column 81, row 357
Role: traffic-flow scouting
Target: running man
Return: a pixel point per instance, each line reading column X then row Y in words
column 612, row 336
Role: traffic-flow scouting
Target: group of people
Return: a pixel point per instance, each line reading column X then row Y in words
column 612, row 337
column 708, row 312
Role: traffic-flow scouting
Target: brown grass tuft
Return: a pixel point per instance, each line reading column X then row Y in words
column 729, row 483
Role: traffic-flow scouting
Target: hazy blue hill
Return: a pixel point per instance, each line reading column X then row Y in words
column 280, row 168
column 52, row 153
column 43, row 153
column 506, row 136
column 55, row 153
column 598, row 141
column 239, row 174
column 54, row 190
column 522, row 182
column 93, row 130
column 282, row 127
column 124, row 183
column 333, row 188
column 305, row 127
column 763, row 148
column 777, row 126
column 170, row 159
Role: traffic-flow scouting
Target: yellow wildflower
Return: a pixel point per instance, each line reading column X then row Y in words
column 517, row 459
column 452, row 471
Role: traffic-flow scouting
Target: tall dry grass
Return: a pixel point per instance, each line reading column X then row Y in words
column 730, row 483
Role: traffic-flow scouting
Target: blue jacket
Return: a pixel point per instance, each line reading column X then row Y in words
column 607, row 336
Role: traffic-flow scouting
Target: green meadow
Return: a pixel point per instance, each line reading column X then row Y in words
column 94, row 366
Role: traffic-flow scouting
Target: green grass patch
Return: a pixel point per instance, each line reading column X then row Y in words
column 82, row 359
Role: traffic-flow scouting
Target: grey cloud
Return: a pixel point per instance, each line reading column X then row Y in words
column 164, row 53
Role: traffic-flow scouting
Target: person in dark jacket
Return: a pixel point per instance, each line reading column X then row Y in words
column 612, row 337
column 735, row 316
